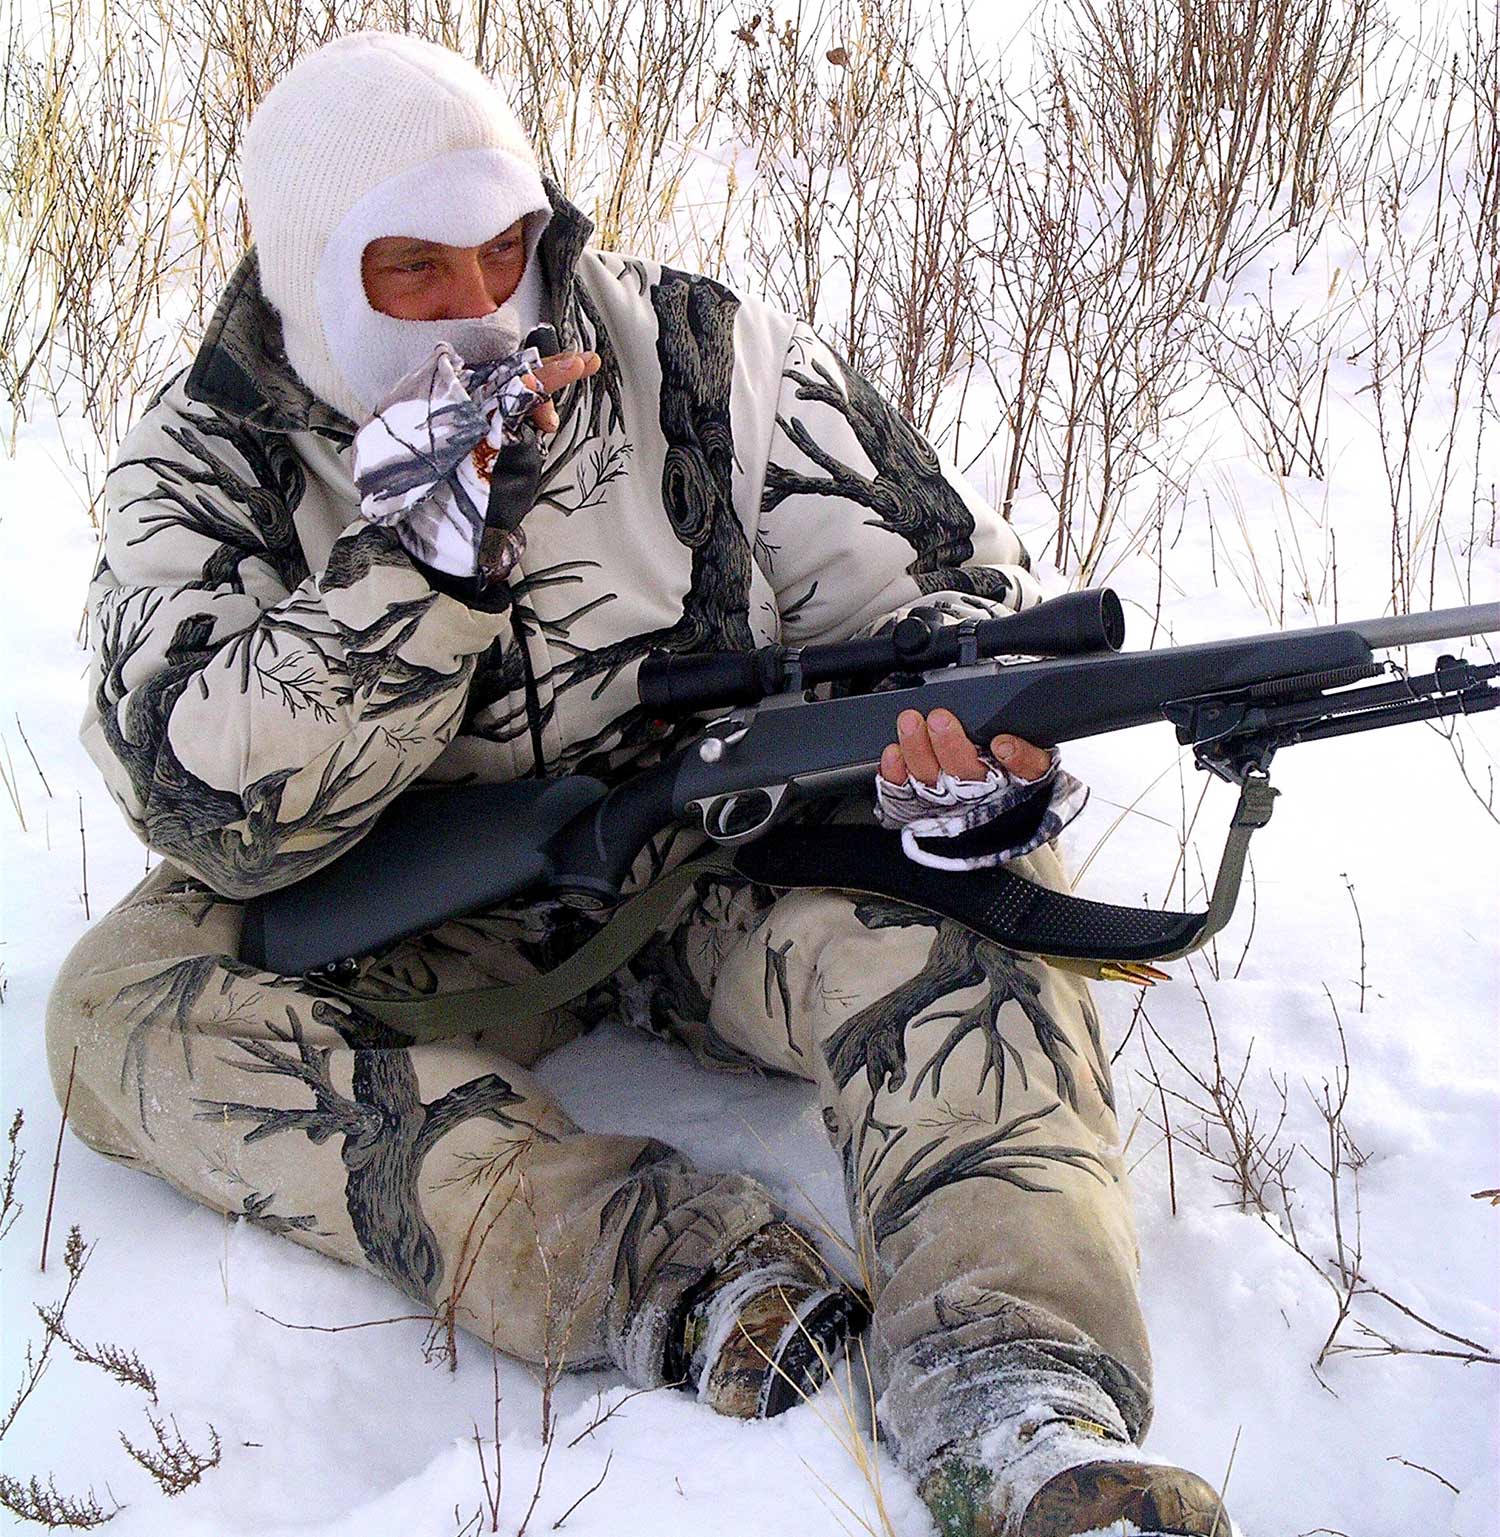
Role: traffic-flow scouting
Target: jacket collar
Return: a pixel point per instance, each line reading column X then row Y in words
column 241, row 366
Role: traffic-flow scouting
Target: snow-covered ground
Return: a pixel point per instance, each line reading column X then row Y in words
column 1376, row 899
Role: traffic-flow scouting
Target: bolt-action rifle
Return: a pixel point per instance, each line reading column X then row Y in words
column 770, row 746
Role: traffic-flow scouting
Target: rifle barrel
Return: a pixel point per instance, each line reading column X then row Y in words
column 1441, row 624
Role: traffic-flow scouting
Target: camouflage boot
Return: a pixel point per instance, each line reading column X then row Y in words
column 1064, row 1477
column 764, row 1330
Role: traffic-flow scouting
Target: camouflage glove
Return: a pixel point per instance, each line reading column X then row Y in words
column 976, row 824
column 423, row 464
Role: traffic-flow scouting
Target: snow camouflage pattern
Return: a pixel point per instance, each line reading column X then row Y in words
column 928, row 816
column 422, row 463
column 271, row 669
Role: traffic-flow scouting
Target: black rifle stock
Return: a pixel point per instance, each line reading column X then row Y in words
column 437, row 853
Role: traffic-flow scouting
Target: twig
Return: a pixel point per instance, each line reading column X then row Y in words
column 1360, row 924
column 614, row 1409
column 468, row 1257
column 1166, row 1125
column 125, row 1366
column 554, row 1350
column 37, row 766
column 1224, row 1486
column 1417, row 1466
column 592, row 1489
column 83, row 844
column 172, row 1462
column 10, row 1206
column 57, row 1157
column 548, row 1442
column 1388, row 1347
column 75, row 1257
column 1485, row 801
column 1427, row 1323
column 493, row 1496
column 8, row 777
column 1333, row 1117
column 372, row 1323
column 1135, row 1019
column 49, row 1507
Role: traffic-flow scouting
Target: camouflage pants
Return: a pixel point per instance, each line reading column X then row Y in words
column 965, row 1089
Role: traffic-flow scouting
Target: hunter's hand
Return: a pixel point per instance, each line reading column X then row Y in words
column 554, row 374
column 938, row 742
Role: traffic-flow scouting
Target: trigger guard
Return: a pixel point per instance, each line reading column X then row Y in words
column 717, row 812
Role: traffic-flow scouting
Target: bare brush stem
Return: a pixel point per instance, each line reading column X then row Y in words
column 592, row 1489
column 1360, row 925
column 1166, row 1122
column 75, row 1257
column 492, row 1496
column 172, row 1462
column 83, row 848
column 37, row 766
column 10, row 1206
column 57, row 1157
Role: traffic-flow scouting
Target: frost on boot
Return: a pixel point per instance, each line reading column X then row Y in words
column 764, row 1330
column 1043, row 1475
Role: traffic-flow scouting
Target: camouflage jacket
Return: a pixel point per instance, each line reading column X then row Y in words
column 270, row 670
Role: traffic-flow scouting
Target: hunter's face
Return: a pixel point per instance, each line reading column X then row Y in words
column 423, row 280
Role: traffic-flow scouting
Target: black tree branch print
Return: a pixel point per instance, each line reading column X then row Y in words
column 874, row 1038
column 1002, row 1155
column 906, row 490
column 260, row 527
column 387, row 1131
column 695, row 347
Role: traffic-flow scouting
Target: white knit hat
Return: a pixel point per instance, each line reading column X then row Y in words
column 381, row 134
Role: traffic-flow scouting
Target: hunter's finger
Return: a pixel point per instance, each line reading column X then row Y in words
column 565, row 368
column 956, row 754
column 893, row 766
column 1021, row 758
column 916, row 747
column 544, row 418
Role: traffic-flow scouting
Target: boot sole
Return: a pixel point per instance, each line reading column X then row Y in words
column 809, row 1350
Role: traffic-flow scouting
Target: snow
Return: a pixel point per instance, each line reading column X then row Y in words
column 326, row 1434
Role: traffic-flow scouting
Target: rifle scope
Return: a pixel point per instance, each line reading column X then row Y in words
column 1072, row 625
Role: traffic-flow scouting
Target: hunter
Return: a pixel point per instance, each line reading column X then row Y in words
column 303, row 606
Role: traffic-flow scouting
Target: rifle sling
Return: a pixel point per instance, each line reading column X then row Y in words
column 628, row 929
column 1096, row 939
column 1000, row 905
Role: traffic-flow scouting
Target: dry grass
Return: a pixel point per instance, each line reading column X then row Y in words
column 1213, row 1108
column 1066, row 246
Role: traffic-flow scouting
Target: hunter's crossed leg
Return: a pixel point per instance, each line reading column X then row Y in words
column 443, row 1165
column 967, row 1091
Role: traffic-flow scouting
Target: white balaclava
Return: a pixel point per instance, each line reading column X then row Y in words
column 381, row 134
